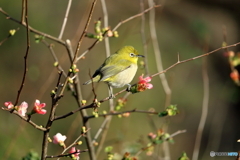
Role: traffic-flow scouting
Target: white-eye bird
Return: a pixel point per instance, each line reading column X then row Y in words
column 118, row 69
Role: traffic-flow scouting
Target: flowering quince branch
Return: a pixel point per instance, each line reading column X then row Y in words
column 175, row 64
column 75, row 142
column 22, row 113
column 164, row 137
column 119, row 113
column 147, row 86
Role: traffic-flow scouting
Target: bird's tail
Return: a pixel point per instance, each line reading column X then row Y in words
column 88, row 82
column 94, row 79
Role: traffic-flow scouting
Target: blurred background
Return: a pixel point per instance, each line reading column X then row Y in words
column 187, row 27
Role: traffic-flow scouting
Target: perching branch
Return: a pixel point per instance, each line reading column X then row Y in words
column 67, row 155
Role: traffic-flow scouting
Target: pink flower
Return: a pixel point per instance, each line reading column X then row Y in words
column 75, row 152
column 38, row 107
column 59, row 139
column 22, row 109
column 143, row 83
column 9, row 105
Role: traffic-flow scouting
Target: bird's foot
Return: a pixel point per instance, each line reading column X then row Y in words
column 128, row 88
column 111, row 96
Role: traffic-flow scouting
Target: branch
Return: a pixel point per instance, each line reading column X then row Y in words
column 26, row 119
column 144, row 42
column 118, row 113
column 135, row 16
column 190, row 59
column 84, row 31
column 55, row 99
column 153, row 75
column 9, row 36
column 66, row 155
column 153, row 144
column 75, row 143
column 32, row 29
column 65, row 19
column 26, row 54
column 204, row 110
column 117, row 26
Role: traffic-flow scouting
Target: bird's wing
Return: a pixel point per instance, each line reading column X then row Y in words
column 111, row 70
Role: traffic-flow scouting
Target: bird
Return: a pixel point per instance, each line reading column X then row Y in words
column 118, row 69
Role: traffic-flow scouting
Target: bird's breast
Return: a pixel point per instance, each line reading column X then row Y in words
column 124, row 77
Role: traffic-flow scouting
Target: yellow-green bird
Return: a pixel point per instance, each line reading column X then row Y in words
column 118, row 69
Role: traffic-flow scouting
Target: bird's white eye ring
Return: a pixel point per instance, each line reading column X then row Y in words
column 131, row 54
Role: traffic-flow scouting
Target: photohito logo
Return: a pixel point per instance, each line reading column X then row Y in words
column 212, row 154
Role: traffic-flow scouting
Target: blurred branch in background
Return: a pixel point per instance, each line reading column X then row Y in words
column 65, row 19
column 204, row 114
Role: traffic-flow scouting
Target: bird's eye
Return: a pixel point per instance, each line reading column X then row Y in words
column 131, row 54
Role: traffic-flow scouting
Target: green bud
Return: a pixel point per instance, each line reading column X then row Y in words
column 84, row 129
column 89, row 35
column 39, row 38
column 12, row 32
column 53, row 92
column 83, row 102
column 183, row 156
column 79, row 143
column 108, row 149
column 70, row 80
column 55, row 64
column 98, row 27
column 49, row 139
column 115, row 34
column 104, row 112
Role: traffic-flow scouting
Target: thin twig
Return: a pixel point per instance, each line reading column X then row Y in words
column 84, row 31
column 74, row 143
column 55, row 98
column 26, row 54
column 99, row 131
column 65, row 19
column 135, row 16
column 204, row 110
column 190, row 59
column 50, row 46
column 32, row 29
column 153, row 144
column 144, row 42
column 67, row 155
column 26, row 119
column 9, row 36
column 23, row 12
column 119, row 113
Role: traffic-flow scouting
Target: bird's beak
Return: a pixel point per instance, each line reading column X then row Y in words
column 140, row 56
